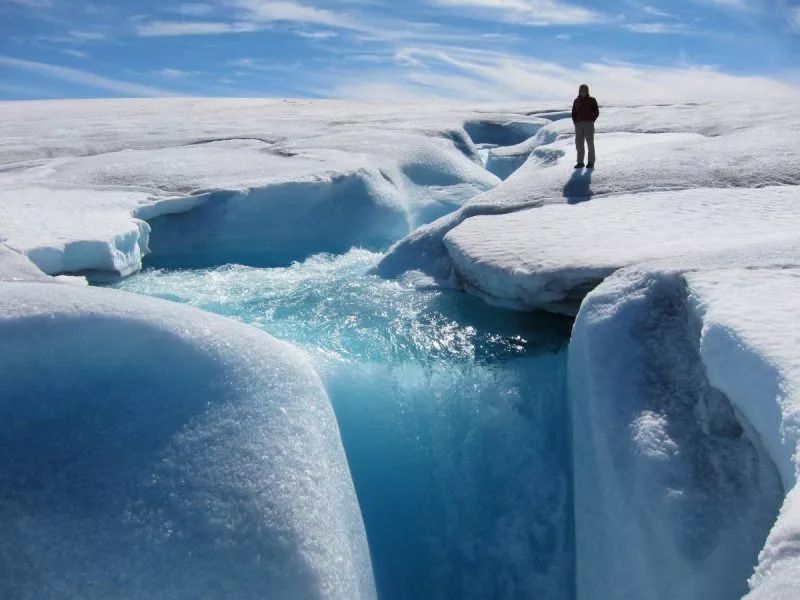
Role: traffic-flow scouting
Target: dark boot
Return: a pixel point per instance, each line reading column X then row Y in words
column 579, row 165
column 590, row 166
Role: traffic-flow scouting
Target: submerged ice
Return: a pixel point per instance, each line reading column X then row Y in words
column 452, row 416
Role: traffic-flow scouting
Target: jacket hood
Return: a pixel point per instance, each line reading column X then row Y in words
column 583, row 86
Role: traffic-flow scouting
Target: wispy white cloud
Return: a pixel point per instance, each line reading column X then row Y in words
column 656, row 12
column 657, row 28
column 192, row 9
column 255, row 15
column 528, row 12
column 479, row 75
column 178, row 28
column 170, row 73
column 88, row 36
column 311, row 22
column 292, row 12
column 794, row 19
column 75, row 53
column 317, row 35
column 81, row 77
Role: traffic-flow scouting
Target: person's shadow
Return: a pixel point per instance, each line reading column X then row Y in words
column 579, row 186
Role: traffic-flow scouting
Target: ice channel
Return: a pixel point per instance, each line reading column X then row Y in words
column 452, row 415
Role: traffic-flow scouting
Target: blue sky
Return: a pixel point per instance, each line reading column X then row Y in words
column 393, row 50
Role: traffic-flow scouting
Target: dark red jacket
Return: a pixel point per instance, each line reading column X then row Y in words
column 585, row 109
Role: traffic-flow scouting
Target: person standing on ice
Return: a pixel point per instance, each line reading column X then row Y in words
column 584, row 114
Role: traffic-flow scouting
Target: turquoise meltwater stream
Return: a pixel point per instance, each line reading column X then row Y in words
column 452, row 414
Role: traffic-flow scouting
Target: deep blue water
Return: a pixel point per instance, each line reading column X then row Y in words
column 452, row 414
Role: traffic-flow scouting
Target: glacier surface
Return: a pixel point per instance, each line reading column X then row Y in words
column 640, row 149
column 164, row 450
column 259, row 182
column 679, row 254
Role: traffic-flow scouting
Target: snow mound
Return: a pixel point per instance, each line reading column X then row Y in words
column 640, row 149
column 155, row 450
column 550, row 257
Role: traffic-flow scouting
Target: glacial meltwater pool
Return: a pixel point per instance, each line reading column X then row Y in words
column 452, row 414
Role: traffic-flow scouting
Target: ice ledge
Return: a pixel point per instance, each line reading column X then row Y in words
column 550, row 257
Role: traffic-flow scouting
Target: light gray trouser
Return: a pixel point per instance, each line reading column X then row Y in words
column 584, row 131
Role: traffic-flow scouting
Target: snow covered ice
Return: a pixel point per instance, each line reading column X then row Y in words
column 551, row 256
column 211, row 448
column 166, row 452
column 644, row 149
column 262, row 171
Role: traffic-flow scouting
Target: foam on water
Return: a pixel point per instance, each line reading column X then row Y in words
column 452, row 416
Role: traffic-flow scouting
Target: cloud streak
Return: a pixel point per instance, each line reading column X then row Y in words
column 179, row 28
column 794, row 19
column 81, row 77
column 485, row 76
column 657, row 28
column 292, row 12
column 527, row 12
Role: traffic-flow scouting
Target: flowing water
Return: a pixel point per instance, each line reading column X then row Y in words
column 452, row 414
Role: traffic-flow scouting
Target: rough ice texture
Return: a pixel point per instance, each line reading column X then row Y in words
column 550, row 257
column 685, row 387
column 674, row 491
column 152, row 450
column 683, row 384
column 640, row 149
column 79, row 178
column 750, row 345
column 74, row 230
